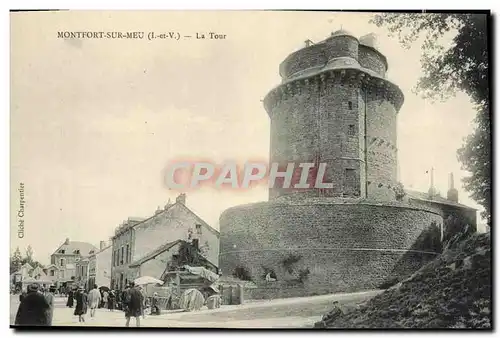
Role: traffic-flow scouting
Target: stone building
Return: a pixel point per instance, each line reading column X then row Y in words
column 100, row 265
column 95, row 268
column 65, row 259
column 334, row 105
column 136, row 238
column 53, row 273
column 82, row 271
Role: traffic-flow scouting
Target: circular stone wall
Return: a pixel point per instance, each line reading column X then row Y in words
column 318, row 248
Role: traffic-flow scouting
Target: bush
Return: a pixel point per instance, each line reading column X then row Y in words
column 289, row 261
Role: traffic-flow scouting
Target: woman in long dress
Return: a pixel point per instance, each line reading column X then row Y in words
column 69, row 303
column 111, row 300
column 81, row 305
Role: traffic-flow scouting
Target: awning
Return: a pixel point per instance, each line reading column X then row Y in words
column 36, row 281
column 202, row 272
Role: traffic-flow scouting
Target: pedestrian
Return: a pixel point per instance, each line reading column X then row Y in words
column 21, row 296
column 123, row 296
column 81, row 304
column 155, row 308
column 111, row 300
column 33, row 309
column 49, row 297
column 144, row 301
column 94, row 298
column 105, row 296
column 133, row 305
column 69, row 303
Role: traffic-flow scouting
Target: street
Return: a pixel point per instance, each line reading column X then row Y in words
column 278, row 313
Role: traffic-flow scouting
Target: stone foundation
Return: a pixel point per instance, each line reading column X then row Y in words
column 322, row 246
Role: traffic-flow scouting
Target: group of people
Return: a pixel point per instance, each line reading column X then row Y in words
column 85, row 301
column 132, row 302
column 107, row 298
column 36, row 307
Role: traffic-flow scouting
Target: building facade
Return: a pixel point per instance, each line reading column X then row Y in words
column 136, row 238
column 65, row 259
column 53, row 273
column 100, row 266
column 82, row 272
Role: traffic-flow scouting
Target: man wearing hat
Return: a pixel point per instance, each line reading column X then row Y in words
column 133, row 305
column 33, row 309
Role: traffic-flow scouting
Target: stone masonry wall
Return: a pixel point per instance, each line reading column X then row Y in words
column 305, row 58
column 323, row 121
column 345, row 247
column 339, row 46
column 371, row 59
column 381, row 148
column 319, row 54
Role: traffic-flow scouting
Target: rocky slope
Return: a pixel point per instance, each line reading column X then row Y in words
column 453, row 291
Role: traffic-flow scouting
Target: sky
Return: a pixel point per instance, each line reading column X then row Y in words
column 94, row 122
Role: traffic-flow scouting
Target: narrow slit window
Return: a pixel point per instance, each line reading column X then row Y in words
column 351, row 131
column 350, row 105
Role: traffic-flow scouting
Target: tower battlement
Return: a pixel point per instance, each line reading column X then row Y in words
column 341, row 44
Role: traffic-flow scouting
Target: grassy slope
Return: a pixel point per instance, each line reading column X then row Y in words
column 453, row 291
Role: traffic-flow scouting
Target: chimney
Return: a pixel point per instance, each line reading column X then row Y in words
column 181, row 199
column 158, row 210
column 102, row 245
column 452, row 192
column 432, row 190
column 308, row 43
column 66, row 242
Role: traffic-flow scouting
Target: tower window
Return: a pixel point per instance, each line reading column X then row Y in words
column 351, row 131
column 350, row 105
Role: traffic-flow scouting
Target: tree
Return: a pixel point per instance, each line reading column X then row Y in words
column 15, row 261
column 29, row 255
column 461, row 65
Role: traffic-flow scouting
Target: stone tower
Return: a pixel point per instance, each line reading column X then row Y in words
column 335, row 106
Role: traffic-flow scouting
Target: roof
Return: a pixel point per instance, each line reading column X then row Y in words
column 70, row 248
column 99, row 251
column 27, row 265
column 167, row 208
column 423, row 196
column 341, row 32
column 162, row 248
column 159, row 250
column 52, row 266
